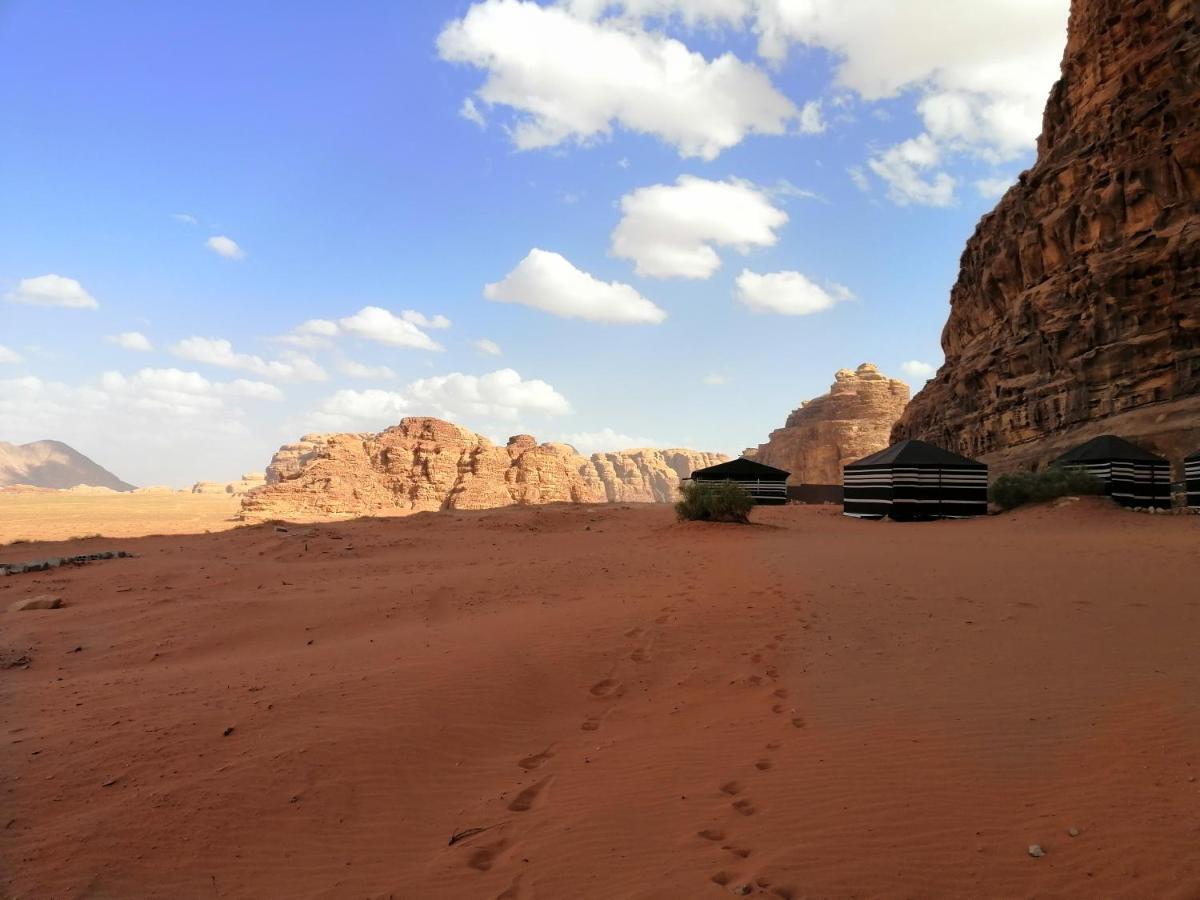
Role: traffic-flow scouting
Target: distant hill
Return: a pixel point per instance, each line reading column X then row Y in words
column 52, row 464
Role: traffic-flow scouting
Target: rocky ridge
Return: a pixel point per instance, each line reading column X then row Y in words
column 425, row 464
column 853, row 420
column 1077, row 308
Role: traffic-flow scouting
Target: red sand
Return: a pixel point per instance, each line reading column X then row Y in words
column 814, row 707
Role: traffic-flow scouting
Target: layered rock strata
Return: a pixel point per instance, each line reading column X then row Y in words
column 428, row 464
column 1077, row 308
column 853, row 420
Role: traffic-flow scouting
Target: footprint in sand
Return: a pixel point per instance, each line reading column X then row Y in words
column 606, row 688
column 591, row 723
column 537, row 760
column 639, row 655
column 745, row 807
column 711, row 834
column 763, row 764
column 512, row 892
column 798, row 722
column 483, row 858
column 782, row 693
column 732, row 788
column 633, row 632
column 524, row 801
column 774, row 745
column 739, row 852
column 778, row 708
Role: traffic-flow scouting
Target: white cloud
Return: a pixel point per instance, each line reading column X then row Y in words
column 902, row 166
column 669, row 231
column 484, row 345
column 607, row 440
column 179, row 393
column 715, row 379
column 549, row 282
column 185, row 218
column 9, row 357
column 225, row 246
column 859, row 177
column 570, row 78
column 52, row 290
column 311, row 334
column 917, row 369
column 359, row 370
column 373, row 323
column 423, row 321
column 811, row 119
column 131, row 340
column 502, row 394
column 994, row 188
column 787, row 293
column 220, row 352
column 471, row 113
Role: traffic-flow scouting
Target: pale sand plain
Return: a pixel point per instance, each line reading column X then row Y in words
column 627, row 706
column 62, row 515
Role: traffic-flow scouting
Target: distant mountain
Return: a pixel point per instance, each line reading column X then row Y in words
column 52, row 464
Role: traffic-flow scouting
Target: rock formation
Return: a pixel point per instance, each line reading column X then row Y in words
column 249, row 481
column 428, row 464
column 52, row 464
column 852, row 421
column 1077, row 307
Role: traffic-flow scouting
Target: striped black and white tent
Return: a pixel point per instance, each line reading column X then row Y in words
column 766, row 484
column 1191, row 475
column 915, row 480
column 1130, row 475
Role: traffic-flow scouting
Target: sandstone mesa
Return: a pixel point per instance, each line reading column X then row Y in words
column 853, row 420
column 425, row 464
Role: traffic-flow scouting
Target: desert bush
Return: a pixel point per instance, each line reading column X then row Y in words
column 1017, row 488
column 714, row 501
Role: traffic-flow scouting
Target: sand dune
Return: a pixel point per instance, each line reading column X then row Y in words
column 627, row 706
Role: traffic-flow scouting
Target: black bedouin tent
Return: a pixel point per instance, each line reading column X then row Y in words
column 1191, row 475
column 766, row 484
column 915, row 480
column 1130, row 475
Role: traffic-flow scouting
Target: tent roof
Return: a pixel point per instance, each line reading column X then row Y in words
column 913, row 452
column 1108, row 446
column 742, row 468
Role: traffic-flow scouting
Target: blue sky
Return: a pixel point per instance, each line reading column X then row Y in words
column 718, row 204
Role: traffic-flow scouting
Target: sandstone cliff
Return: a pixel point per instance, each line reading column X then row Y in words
column 428, row 464
column 249, row 481
column 852, row 421
column 1077, row 308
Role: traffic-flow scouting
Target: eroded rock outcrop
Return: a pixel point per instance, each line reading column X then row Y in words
column 1077, row 308
column 428, row 464
column 853, row 420
column 248, row 482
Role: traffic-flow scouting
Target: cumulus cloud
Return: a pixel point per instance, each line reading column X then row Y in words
column 859, row 177
column 484, row 345
column 220, row 352
column 787, row 293
column 502, row 394
column 225, row 246
column 52, row 290
column 902, row 167
column 549, row 282
column 568, row 77
column 423, row 321
column 9, row 356
column 918, row 369
column 373, row 323
column 670, row 230
column 812, row 121
column 471, row 113
column 131, row 340
column 359, row 370
column 607, row 440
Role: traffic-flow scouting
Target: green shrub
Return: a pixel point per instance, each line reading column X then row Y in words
column 1016, row 488
column 714, row 501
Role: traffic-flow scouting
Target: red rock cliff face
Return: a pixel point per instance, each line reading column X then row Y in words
column 1077, row 308
column 851, row 421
